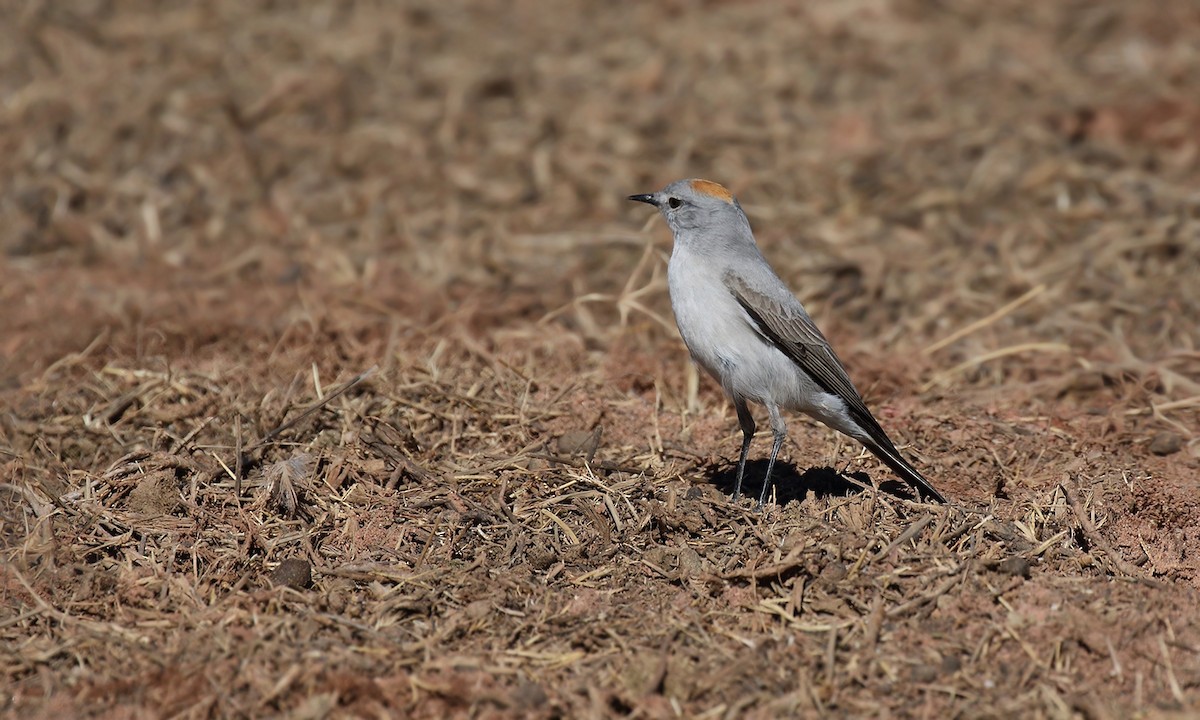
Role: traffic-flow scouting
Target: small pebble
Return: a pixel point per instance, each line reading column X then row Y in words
column 542, row 559
column 1166, row 443
column 833, row 572
column 578, row 442
column 924, row 673
column 1016, row 566
column 690, row 563
column 294, row 573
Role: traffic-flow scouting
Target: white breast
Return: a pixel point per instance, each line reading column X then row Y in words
column 708, row 317
column 723, row 340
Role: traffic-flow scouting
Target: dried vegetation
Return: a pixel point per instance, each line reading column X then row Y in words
column 336, row 377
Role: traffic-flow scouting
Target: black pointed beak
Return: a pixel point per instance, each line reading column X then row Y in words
column 646, row 198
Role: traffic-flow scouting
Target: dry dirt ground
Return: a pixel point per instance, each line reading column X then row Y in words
column 216, row 217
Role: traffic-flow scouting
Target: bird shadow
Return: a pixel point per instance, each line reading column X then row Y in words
column 793, row 485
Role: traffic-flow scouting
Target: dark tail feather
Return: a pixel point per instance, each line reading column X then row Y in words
column 908, row 473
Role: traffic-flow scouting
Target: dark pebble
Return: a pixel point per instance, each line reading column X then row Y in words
column 294, row 573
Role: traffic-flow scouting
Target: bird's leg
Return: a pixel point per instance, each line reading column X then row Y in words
column 746, row 420
column 779, row 433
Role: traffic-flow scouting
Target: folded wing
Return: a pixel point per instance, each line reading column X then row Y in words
column 791, row 330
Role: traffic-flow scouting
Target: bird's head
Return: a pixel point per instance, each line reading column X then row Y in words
column 697, row 206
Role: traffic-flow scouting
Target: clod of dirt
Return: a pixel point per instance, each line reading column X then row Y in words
column 536, row 465
column 644, row 674
column 670, row 521
column 924, row 673
column 690, row 563
column 337, row 597
column 478, row 610
column 528, row 696
column 579, row 442
column 929, row 672
column 662, row 557
column 156, row 494
column 1166, row 443
column 1016, row 566
column 542, row 558
column 833, row 572
column 295, row 573
column 1083, row 382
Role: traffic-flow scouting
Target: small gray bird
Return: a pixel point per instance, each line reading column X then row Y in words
column 742, row 324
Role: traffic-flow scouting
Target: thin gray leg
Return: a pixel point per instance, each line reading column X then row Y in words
column 746, row 420
column 779, row 433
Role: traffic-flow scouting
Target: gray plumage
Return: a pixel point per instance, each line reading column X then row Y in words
column 744, row 326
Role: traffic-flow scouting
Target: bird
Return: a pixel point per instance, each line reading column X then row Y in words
column 743, row 325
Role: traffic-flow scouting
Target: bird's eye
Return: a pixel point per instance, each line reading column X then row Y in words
column 674, row 203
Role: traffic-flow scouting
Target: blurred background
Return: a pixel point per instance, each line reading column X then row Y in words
column 917, row 165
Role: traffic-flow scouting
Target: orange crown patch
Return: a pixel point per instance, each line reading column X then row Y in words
column 712, row 189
